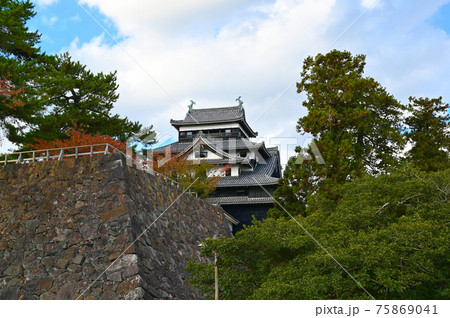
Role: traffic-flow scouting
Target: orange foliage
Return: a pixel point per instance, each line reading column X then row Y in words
column 77, row 137
column 196, row 175
column 8, row 93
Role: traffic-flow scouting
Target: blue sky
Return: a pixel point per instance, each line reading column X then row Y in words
column 64, row 21
column 169, row 52
column 442, row 18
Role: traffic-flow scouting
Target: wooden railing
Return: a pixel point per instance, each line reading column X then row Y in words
column 24, row 157
column 56, row 154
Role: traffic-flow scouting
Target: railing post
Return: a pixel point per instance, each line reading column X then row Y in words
column 44, row 154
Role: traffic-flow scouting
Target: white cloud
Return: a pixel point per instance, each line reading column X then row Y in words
column 370, row 3
column 171, row 16
column 75, row 18
column 242, row 58
column 44, row 3
column 49, row 21
column 213, row 51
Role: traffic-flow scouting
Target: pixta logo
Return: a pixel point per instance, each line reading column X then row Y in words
column 310, row 144
column 136, row 145
column 139, row 153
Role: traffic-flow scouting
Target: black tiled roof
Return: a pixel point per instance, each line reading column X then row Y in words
column 238, row 143
column 178, row 147
column 261, row 175
column 226, row 161
column 229, row 217
column 239, row 200
column 215, row 115
column 209, row 115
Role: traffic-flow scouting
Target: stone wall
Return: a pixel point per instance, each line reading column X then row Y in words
column 94, row 228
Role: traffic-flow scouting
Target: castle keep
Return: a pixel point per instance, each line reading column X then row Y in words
column 223, row 136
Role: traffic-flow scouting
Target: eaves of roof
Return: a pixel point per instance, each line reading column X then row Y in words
column 239, row 200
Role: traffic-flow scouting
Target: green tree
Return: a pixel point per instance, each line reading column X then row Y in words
column 294, row 187
column 20, row 64
column 75, row 97
column 390, row 232
column 16, row 39
column 52, row 94
column 429, row 133
column 354, row 122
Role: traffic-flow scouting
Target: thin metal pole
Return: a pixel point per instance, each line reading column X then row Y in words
column 216, row 277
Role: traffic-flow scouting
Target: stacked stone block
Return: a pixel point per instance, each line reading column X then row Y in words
column 94, row 228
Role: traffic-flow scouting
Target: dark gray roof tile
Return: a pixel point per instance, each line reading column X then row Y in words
column 239, row 200
column 209, row 115
column 215, row 115
column 239, row 143
column 261, row 174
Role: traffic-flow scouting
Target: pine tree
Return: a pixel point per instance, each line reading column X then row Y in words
column 355, row 125
column 16, row 40
column 429, row 133
column 76, row 97
column 20, row 64
column 43, row 97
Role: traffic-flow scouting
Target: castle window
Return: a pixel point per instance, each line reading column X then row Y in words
column 189, row 134
column 201, row 152
column 227, row 132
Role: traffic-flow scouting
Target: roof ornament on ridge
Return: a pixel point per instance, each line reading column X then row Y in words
column 191, row 106
column 240, row 102
column 215, row 115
